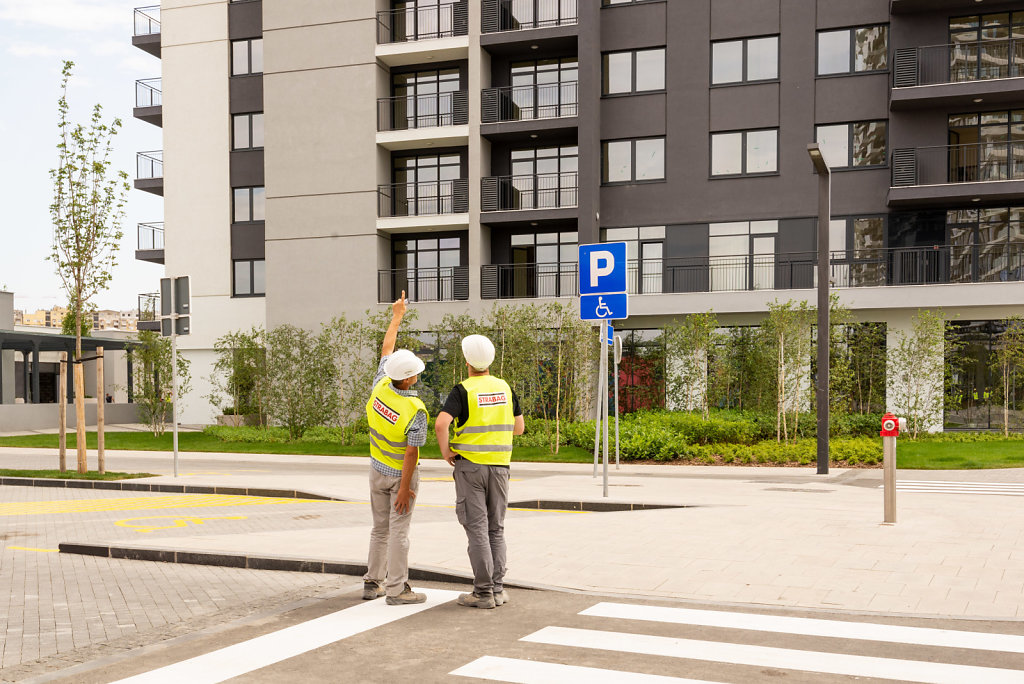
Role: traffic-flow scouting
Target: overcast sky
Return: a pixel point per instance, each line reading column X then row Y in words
column 35, row 36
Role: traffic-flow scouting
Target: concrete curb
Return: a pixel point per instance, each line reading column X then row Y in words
column 131, row 486
column 284, row 563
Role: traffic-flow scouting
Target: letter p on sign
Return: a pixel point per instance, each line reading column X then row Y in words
column 601, row 264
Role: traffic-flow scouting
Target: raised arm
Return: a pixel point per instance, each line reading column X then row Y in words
column 397, row 312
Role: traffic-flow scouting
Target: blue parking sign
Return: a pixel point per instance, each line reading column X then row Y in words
column 601, row 307
column 602, row 268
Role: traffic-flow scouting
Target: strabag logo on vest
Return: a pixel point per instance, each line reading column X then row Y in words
column 491, row 399
column 385, row 412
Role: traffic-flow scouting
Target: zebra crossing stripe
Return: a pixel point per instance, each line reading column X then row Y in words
column 536, row 672
column 780, row 658
column 868, row 631
column 947, row 487
column 1009, row 485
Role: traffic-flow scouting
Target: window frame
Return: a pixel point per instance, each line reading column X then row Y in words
column 743, row 57
column 850, row 166
column 632, row 71
column 248, row 51
column 249, row 116
column 251, row 195
column 743, row 154
column 252, row 278
column 632, row 161
column 852, row 70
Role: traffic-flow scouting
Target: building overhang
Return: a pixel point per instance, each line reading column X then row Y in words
column 421, row 224
column 950, row 194
column 995, row 91
column 418, row 138
column 423, row 51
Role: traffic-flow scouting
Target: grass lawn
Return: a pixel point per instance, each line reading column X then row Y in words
column 959, row 455
column 71, row 475
column 200, row 442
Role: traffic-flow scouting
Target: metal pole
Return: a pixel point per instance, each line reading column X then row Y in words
column 604, row 403
column 824, row 219
column 889, row 467
column 598, row 411
column 616, row 409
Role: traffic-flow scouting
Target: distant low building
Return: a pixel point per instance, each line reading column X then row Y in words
column 103, row 319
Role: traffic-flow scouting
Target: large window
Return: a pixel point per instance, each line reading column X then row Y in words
column 247, row 57
column 986, row 46
column 634, row 71
column 425, row 266
column 745, row 61
column 247, row 131
column 545, row 88
column 545, row 177
column 250, row 278
column 854, row 144
column 986, row 146
column 425, row 184
column 745, row 153
column 424, row 98
column 741, row 255
column 630, row 161
column 853, row 50
column 986, row 245
column 645, row 250
column 543, row 265
column 250, row 204
column 857, row 251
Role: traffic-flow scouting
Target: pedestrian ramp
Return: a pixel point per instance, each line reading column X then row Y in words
column 727, row 646
column 948, row 487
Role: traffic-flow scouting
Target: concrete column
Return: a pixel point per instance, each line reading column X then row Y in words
column 35, row 374
column 3, row 374
column 26, row 375
column 131, row 376
column 479, row 77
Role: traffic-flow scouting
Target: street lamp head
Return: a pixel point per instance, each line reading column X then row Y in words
column 820, row 166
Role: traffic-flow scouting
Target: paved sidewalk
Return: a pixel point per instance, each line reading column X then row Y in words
column 773, row 536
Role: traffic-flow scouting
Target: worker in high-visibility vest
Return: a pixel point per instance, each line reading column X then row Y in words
column 486, row 413
column 398, row 428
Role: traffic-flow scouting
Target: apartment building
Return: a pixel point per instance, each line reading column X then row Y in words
column 319, row 157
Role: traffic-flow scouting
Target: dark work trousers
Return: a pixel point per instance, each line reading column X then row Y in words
column 481, row 498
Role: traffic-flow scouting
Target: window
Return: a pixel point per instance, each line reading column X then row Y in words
column 545, row 177
column 854, row 144
column 425, row 267
column 425, row 98
column 250, row 204
column 745, row 153
column 741, row 255
column 545, row 88
column 853, row 50
column 247, row 57
column 645, row 247
column 247, row 131
column 543, row 265
column 250, row 278
column 985, row 245
column 866, row 263
column 426, row 185
column 745, row 61
column 636, row 71
column 629, row 161
column 986, row 46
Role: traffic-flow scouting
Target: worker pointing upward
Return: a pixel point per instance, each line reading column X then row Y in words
column 487, row 414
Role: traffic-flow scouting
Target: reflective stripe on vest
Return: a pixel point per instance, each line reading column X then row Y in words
column 389, row 414
column 486, row 437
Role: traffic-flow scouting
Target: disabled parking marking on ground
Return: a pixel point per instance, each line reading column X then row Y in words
column 176, row 521
column 145, row 503
column 31, row 548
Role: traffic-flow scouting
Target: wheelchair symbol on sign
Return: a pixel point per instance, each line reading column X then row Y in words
column 602, row 310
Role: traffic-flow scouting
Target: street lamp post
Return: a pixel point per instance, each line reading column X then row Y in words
column 824, row 219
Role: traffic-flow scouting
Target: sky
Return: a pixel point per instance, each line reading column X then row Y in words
column 35, row 38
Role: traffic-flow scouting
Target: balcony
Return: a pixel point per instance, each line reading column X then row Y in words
column 149, row 174
column 516, row 112
column 447, row 284
column 521, row 15
column 149, row 311
column 147, row 29
column 423, row 199
column 148, row 101
column 441, row 119
column 547, row 196
column 957, row 173
column 414, row 35
column 958, row 74
column 150, row 246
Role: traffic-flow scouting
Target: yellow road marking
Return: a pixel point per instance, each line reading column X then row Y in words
column 142, row 503
column 182, row 521
column 30, row 548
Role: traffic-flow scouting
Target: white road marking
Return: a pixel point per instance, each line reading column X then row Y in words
column 950, row 487
column 781, row 658
column 236, row 660
column 869, row 631
column 535, row 672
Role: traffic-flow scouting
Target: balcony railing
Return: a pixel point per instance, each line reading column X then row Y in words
column 516, row 15
column 151, row 236
column 147, row 20
column 426, row 198
column 959, row 62
column 150, row 164
column 972, row 163
column 422, row 23
column 149, row 306
column 536, row 191
column 521, row 103
column 423, row 111
column 444, row 284
column 147, row 93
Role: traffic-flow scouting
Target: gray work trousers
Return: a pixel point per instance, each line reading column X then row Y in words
column 389, row 538
column 481, row 498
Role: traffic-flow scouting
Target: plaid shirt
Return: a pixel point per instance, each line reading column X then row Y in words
column 416, row 433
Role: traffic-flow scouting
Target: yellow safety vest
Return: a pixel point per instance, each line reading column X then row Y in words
column 486, row 438
column 389, row 415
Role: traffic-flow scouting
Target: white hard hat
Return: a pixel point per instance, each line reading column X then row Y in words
column 403, row 364
column 478, row 350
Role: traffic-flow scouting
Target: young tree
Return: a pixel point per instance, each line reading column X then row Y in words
column 688, row 347
column 238, row 377
column 67, row 325
column 1009, row 360
column 87, row 210
column 302, row 379
column 868, row 363
column 917, row 371
column 151, row 379
column 789, row 327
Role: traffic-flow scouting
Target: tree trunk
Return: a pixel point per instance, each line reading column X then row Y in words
column 780, row 394
column 1006, row 400
column 83, row 465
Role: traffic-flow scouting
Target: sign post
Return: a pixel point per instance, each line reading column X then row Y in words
column 617, row 356
column 602, row 281
column 174, row 320
column 890, row 430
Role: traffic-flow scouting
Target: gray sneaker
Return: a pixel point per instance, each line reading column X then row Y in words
column 406, row 597
column 501, row 597
column 476, row 600
column 372, row 590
